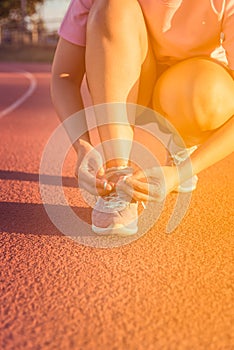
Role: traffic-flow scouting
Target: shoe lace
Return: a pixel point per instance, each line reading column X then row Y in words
column 120, row 200
column 115, row 201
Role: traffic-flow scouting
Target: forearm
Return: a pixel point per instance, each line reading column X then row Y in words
column 67, row 73
column 67, row 101
column 217, row 147
column 65, row 96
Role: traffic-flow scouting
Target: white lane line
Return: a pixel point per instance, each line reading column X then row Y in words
column 24, row 97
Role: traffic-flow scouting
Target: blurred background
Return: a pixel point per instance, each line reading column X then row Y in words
column 28, row 29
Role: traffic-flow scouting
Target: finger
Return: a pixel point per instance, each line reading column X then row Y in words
column 140, row 196
column 101, row 172
column 97, row 191
column 104, row 184
column 152, row 189
column 139, row 175
column 137, row 185
column 92, row 184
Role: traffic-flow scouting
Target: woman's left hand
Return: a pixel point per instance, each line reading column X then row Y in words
column 152, row 184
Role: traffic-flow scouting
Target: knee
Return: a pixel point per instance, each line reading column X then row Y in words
column 203, row 96
column 111, row 17
column 212, row 96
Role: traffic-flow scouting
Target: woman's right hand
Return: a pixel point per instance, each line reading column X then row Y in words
column 90, row 171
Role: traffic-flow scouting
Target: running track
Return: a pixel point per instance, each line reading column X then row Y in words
column 161, row 292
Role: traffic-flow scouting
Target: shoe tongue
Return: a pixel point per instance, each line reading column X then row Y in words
column 113, row 203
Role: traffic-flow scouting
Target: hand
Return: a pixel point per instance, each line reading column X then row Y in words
column 151, row 185
column 90, row 171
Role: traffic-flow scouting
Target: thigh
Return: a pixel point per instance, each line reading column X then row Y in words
column 196, row 96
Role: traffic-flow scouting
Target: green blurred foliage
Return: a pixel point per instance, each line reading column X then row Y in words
column 6, row 6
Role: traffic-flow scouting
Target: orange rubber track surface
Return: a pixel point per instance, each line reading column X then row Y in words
column 161, row 292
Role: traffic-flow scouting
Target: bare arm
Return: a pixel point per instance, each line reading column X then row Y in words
column 67, row 73
column 161, row 181
column 217, row 147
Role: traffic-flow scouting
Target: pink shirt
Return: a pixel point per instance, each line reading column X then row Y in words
column 179, row 28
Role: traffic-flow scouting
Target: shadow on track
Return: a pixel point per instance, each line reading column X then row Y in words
column 32, row 177
column 29, row 218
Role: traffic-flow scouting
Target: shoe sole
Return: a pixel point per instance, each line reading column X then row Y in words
column 187, row 189
column 120, row 230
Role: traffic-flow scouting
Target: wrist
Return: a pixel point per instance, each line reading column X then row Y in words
column 185, row 171
column 173, row 180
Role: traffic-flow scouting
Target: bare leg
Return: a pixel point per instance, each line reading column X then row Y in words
column 196, row 96
column 119, row 68
column 201, row 107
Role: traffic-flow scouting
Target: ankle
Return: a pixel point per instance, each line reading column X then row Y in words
column 117, row 163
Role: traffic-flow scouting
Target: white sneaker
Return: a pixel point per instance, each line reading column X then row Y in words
column 179, row 155
column 115, row 214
